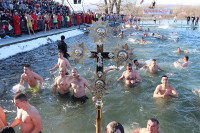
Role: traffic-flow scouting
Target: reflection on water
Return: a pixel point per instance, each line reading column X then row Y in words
column 131, row 106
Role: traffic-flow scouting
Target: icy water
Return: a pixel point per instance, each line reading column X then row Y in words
column 132, row 107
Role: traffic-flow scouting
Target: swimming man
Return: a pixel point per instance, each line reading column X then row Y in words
column 152, row 127
column 186, row 62
column 31, row 79
column 78, row 84
column 165, row 90
column 62, row 62
column 63, row 84
column 131, row 76
column 153, row 67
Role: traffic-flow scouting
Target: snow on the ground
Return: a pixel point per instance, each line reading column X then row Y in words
column 11, row 50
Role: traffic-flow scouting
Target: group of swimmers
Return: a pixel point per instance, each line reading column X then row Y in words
column 145, row 34
column 29, row 118
column 116, row 127
column 27, row 115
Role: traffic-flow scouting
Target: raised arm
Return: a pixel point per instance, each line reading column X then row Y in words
column 145, row 66
column 112, row 68
column 56, row 66
column 161, row 69
column 21, row 80
column 174, row 93
column 156, row 93
column 122, row 77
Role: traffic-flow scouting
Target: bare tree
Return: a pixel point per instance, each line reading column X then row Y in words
column 106, row 6
column 111, row 5
column 117, row 5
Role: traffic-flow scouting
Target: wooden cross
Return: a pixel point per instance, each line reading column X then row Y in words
column 104, row 55
column 100, row 55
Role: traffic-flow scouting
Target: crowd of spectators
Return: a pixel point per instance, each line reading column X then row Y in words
column 45, row 14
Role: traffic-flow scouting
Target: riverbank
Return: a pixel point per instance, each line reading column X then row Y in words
column 12, row 46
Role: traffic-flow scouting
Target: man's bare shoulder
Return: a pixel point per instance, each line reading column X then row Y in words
column 34, row 74
column 23, row 75
column 57, row 78
column 33, row 111
column 124, row 72
column 65, row 59
column 82, row 79
column 159, row 86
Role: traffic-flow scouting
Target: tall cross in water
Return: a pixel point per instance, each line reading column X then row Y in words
column 100, row 84
column 120, row 54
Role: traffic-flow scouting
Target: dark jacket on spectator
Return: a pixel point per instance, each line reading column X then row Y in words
column 63, row 46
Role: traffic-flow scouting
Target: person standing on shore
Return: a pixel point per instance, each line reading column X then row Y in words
column 63, row 46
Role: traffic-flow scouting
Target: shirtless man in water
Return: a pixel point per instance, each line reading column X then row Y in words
column 142, row 40
column 62, row 62
column 138, row 64
column 31, row 79
column 27, row 115
column 181, row 51
column 153, row 67
column 121, row 35
column 152, row 127
column 131, row 76
column 63, row 84
column 165, row 90
column 185, row 64
column 78, row 84
column 2, row 118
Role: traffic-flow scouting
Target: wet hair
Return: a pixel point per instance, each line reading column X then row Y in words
column 165, row 76
column 187, row 58
column 129, row 64
column 135, row 60
column 62, row 37
column 154, row 120
column 7, row 130
column 113, row 126
column 153, row 59
column 20, row 96
column 28, row 65
column 60, row 51
column 74, row 69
